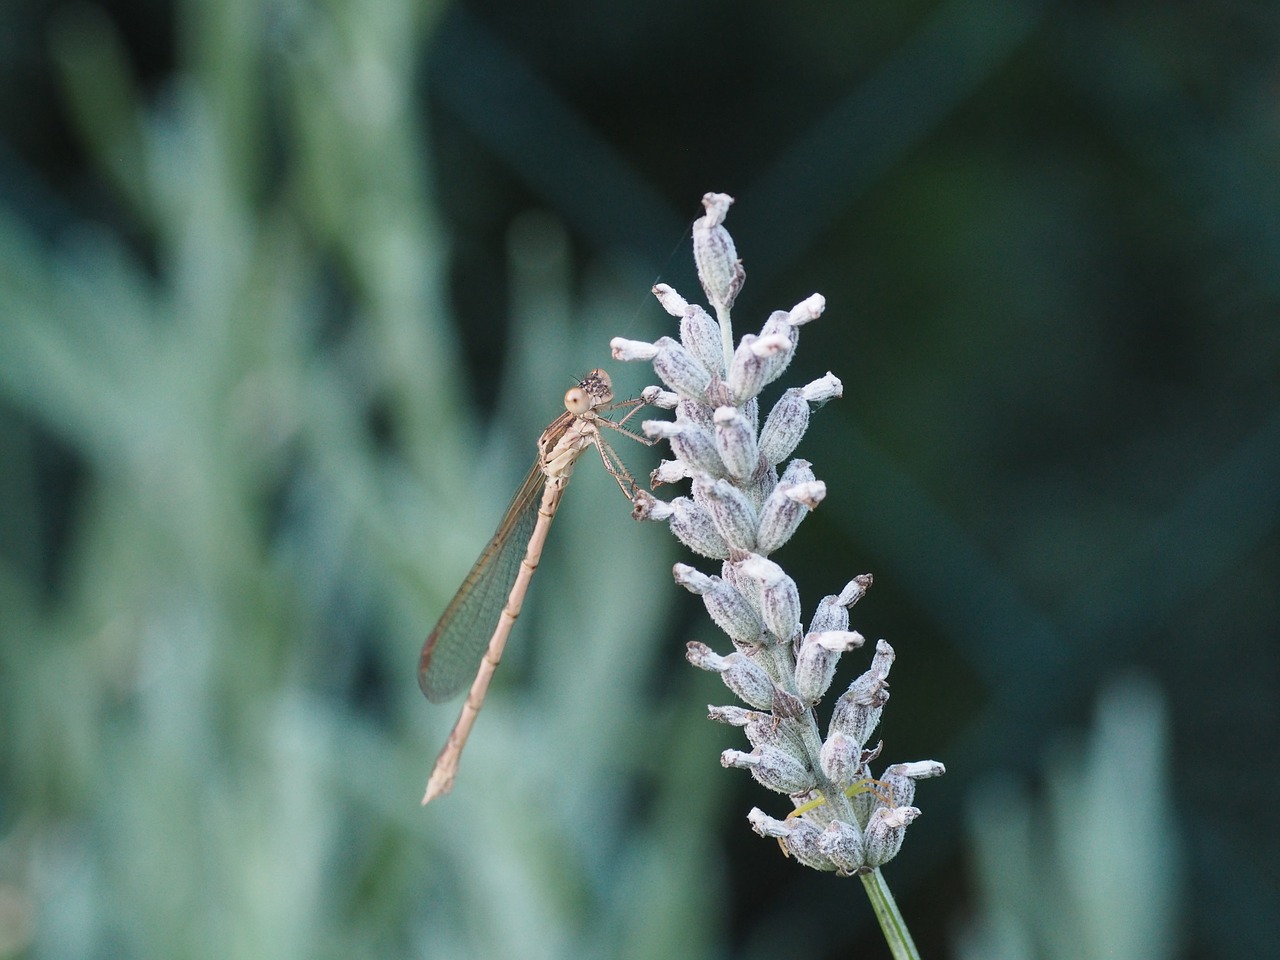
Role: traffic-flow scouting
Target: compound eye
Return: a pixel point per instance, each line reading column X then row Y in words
column 577, row 401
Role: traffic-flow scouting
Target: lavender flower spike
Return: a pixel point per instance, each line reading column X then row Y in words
column 743, row 506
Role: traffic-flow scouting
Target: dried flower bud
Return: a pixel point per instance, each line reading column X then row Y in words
column 901, row 779
column 771, row 730
column 858, row 710
column 823, row 389
column 740, row 674
column 701, row 335
column 829, row 615
column 657, row 397
column 694, row 527
column 690, row 522
column 747, row 372
column 794, row 496
column 695, row 411
column 779, row 596
column 773, row 768
column 670, row 471
column 728, row 608
column 645, row 506
column 736, row 443
column 810, row 308
column 679, row 369
column 763, row 729
column 733, row 515
column 788, row 705
column 671, row 301
column 693, row 444
column 719, row 268
column 779, row 330
column 841, row 760
column 842, row 844
column 733, row 716
column 785, row 425
column 884, row 833
column 833, row 610
column 798, row 835
column 624, row 349
column 816, row 661
column 855, row 590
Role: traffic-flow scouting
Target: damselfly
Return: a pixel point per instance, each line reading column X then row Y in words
column 468, row 641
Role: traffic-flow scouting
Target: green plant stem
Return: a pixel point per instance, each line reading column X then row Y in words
column 895, row 929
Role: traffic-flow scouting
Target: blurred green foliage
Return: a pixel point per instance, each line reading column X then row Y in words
column 213, row 744
column 277, row 329
column 1095, row 870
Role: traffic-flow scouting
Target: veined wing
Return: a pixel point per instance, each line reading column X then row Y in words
column 452, row 652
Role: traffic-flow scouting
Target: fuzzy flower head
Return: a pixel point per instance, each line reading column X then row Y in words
column 746, row 499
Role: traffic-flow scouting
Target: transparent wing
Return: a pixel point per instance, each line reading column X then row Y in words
column 452, row 652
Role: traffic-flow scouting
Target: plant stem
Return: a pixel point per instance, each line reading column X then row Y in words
column 894, row 927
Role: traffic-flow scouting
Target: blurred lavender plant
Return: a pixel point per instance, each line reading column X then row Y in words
column 741, row 511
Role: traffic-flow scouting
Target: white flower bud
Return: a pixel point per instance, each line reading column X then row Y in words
column 854, row 590
column 808, row 494
column 657, row 397
column 671, row 301
column 918, row 769
column 728, row 608
column 679, row 369
column 694, row 527
column 785, row 426
column 691, row 443
column 768, row 826
column 623, row 349
column 807, row 309
column 802, row 843
column 779, row 596
column 770, row 730
column 841, row 759
column 842, row 844
column 645, row 506
column 798, row 835
column 736, row 443
column 833, row 610
column 733, row 515
column 823, row 389
column 773, row 768
column 670, row 471
column 695, row 411
column 884, row 833
column 816, row 661
column 733, row 716
column 701, row 336
column 748, row 371
column 778, row 328
column 740, row 674
column 771, row 345
column 719, row 268
column 789, row 503
column 762, row 729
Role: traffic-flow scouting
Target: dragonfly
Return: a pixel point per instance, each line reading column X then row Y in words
column 468, row 641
